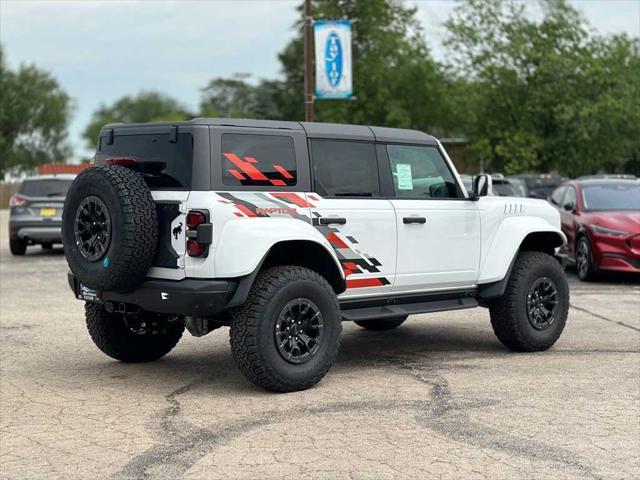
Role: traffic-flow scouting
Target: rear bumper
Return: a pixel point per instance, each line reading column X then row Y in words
column 189, row 297
column 41, row 231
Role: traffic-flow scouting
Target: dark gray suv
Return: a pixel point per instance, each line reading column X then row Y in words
column 36, row 212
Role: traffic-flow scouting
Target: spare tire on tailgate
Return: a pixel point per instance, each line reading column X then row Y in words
column 109, row 228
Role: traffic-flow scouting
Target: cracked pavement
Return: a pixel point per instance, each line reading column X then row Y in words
column 439, row 397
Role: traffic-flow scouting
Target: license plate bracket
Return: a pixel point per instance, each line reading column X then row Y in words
column 87, row 294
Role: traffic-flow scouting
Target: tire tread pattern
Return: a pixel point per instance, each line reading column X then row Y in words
column 510, row 329
column 139, row 235
column 245, row 318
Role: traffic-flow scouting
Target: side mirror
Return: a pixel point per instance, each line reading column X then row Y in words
column 481, row 185
column 569, row 206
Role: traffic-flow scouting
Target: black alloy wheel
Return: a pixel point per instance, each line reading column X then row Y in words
column 542, row 303
column 298, row 330
column 92, row 228
column 584, row 260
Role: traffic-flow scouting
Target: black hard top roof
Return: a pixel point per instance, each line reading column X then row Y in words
column 312, row 129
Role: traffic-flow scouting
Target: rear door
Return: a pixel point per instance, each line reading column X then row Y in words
column 438, row 228
column 349, row 210
column 165, row 157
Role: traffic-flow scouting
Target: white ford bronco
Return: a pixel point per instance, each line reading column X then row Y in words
column 282, row 230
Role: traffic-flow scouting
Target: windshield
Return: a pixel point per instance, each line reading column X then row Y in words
column 616, row 196
column 45, row 188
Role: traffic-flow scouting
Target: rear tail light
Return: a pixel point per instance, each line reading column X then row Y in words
column 199, row 233
column 17, row 200
column 124, row 161
column 195, row 218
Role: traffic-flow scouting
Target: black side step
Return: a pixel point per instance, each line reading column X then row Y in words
column 386, row 311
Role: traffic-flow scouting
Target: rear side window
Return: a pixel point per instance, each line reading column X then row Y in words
column 45, row 188
column 420, row 172
column 164, row 164
column 258, row 160
column 345, row 169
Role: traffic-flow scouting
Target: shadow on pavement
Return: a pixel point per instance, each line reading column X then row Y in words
column 415, row 340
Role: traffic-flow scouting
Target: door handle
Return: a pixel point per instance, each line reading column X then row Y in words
column 408, row 220
column 330, row 220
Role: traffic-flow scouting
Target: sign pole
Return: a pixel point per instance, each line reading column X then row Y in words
column 308, row 62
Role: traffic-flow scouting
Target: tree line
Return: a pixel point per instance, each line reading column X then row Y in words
column 531, row 88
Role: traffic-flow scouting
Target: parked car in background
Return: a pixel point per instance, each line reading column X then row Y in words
column 601, row 219
column 502, row 187
column 520, row 185
column 540, row 185
column 624, row 176
column 35, row 215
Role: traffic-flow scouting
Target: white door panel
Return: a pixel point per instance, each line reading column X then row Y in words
column 365, row 244
column 176, row 235
column 444, row 251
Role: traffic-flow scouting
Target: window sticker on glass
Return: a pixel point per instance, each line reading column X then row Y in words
column 403, row 174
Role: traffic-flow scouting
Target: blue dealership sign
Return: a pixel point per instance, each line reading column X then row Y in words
column 333, row 59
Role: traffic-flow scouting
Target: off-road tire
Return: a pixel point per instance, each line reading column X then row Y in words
column 134, row 228
column 587, row 272
column 380, row 324
column 17, row 246
column 253, row 325
column 509, row 313
column 111, row 335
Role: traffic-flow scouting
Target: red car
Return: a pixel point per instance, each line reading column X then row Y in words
column 601, row 219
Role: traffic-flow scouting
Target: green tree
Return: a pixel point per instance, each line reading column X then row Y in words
column 34, row 113
column 236, row 97
column 396, row 82
column 228, row 97
column 545, row 94
column 140, row 108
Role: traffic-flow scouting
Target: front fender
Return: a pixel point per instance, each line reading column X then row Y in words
column 243, row 243
column 506, row 243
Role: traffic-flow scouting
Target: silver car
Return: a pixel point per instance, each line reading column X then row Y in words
column 36, row 212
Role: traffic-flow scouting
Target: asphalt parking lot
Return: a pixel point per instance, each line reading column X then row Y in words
column 438, row 397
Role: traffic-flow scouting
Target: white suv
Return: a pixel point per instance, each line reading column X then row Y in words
column 281, row 230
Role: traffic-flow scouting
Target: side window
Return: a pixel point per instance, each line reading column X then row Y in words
column 420, row 172
column 556, row 196
column 345, row 169
column 258, row 160
column 569, row 197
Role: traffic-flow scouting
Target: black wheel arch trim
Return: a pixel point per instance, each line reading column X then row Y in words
column 246, row 282
column 493, row 290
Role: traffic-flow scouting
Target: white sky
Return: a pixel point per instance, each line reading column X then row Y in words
column 102, row 50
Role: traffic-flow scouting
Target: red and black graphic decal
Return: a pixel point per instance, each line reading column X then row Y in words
column 367, row 282
column 268, row 206
column 353, row 261
column 248, row 171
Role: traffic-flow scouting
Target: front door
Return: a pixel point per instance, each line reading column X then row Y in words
column 348, row 210
column 438, row 229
